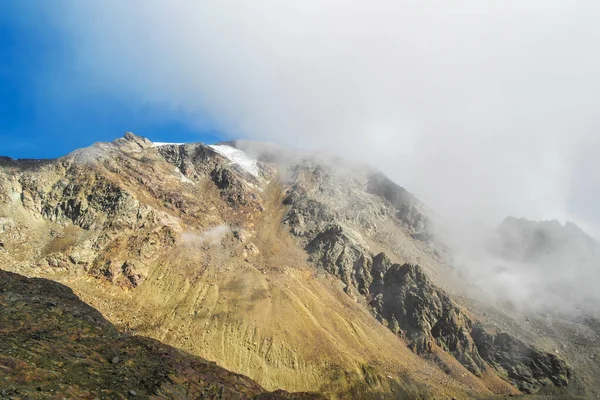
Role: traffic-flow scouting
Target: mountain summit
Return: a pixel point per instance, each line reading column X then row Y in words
column 304, row 272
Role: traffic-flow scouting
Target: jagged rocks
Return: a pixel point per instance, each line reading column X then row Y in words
column 342, row 255
column 110, row 190
column 234, row 190
column 410, row 305
column 427, row 316
column 193, row 160
column 305, row 221
column 381, row 265
column 119, row 211
column 196, row 162
column 132, row 142
column 528, row 368
column 325, row 193
column 231, row 189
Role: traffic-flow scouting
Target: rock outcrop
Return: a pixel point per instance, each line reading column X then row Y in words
column 341, row 254
column 404, row 298
column 98, row 189
column 428, row 317
column 330, row 210
column 528, row 368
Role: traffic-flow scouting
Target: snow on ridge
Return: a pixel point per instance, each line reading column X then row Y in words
column 238, row 157
column 157, row 144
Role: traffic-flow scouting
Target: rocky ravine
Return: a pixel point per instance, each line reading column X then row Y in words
column 192, row 248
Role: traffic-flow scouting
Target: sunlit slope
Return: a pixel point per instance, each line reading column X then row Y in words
column 189, row 246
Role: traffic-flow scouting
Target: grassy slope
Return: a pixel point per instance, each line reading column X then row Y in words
column 52, row 345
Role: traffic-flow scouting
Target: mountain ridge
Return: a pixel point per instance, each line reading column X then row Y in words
column 179, row 233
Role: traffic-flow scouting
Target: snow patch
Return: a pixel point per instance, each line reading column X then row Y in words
column 157, row 144
column 238, row 157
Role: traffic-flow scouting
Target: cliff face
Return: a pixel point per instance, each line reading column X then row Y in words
column 304, row 272
column 429, row 318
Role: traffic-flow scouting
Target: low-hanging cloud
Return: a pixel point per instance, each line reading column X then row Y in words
column 210, row 237
column 479, row 108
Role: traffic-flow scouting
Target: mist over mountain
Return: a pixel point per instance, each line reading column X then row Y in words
column 483, row 110
column 540, row 266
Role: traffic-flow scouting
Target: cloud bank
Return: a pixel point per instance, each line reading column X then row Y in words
column 482, row 109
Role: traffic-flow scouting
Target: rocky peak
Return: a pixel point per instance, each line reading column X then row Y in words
column 132, row 142
column 126, row 195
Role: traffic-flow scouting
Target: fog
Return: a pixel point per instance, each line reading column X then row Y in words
column 481, row 109
column 528, row 265
column 211, row 237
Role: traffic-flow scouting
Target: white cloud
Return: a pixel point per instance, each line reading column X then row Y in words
column 478, row 107
column 211, row 237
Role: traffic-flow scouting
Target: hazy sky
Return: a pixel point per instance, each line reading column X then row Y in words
column 480, row 108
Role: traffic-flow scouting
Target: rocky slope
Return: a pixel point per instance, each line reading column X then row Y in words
column 295, row 269
column 403, row 298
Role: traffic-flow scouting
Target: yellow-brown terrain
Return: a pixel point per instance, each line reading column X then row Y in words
column 272, row 275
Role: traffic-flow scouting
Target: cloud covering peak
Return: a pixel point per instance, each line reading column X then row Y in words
column 483, row 109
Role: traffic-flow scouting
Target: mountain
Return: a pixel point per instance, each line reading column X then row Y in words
column 305, row 272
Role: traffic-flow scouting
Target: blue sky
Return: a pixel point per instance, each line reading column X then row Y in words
column 47, row 108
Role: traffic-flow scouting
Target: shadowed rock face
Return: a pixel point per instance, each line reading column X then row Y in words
column 342, row 256
column 427, row 316
column 528, row 368
column 54, row 345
